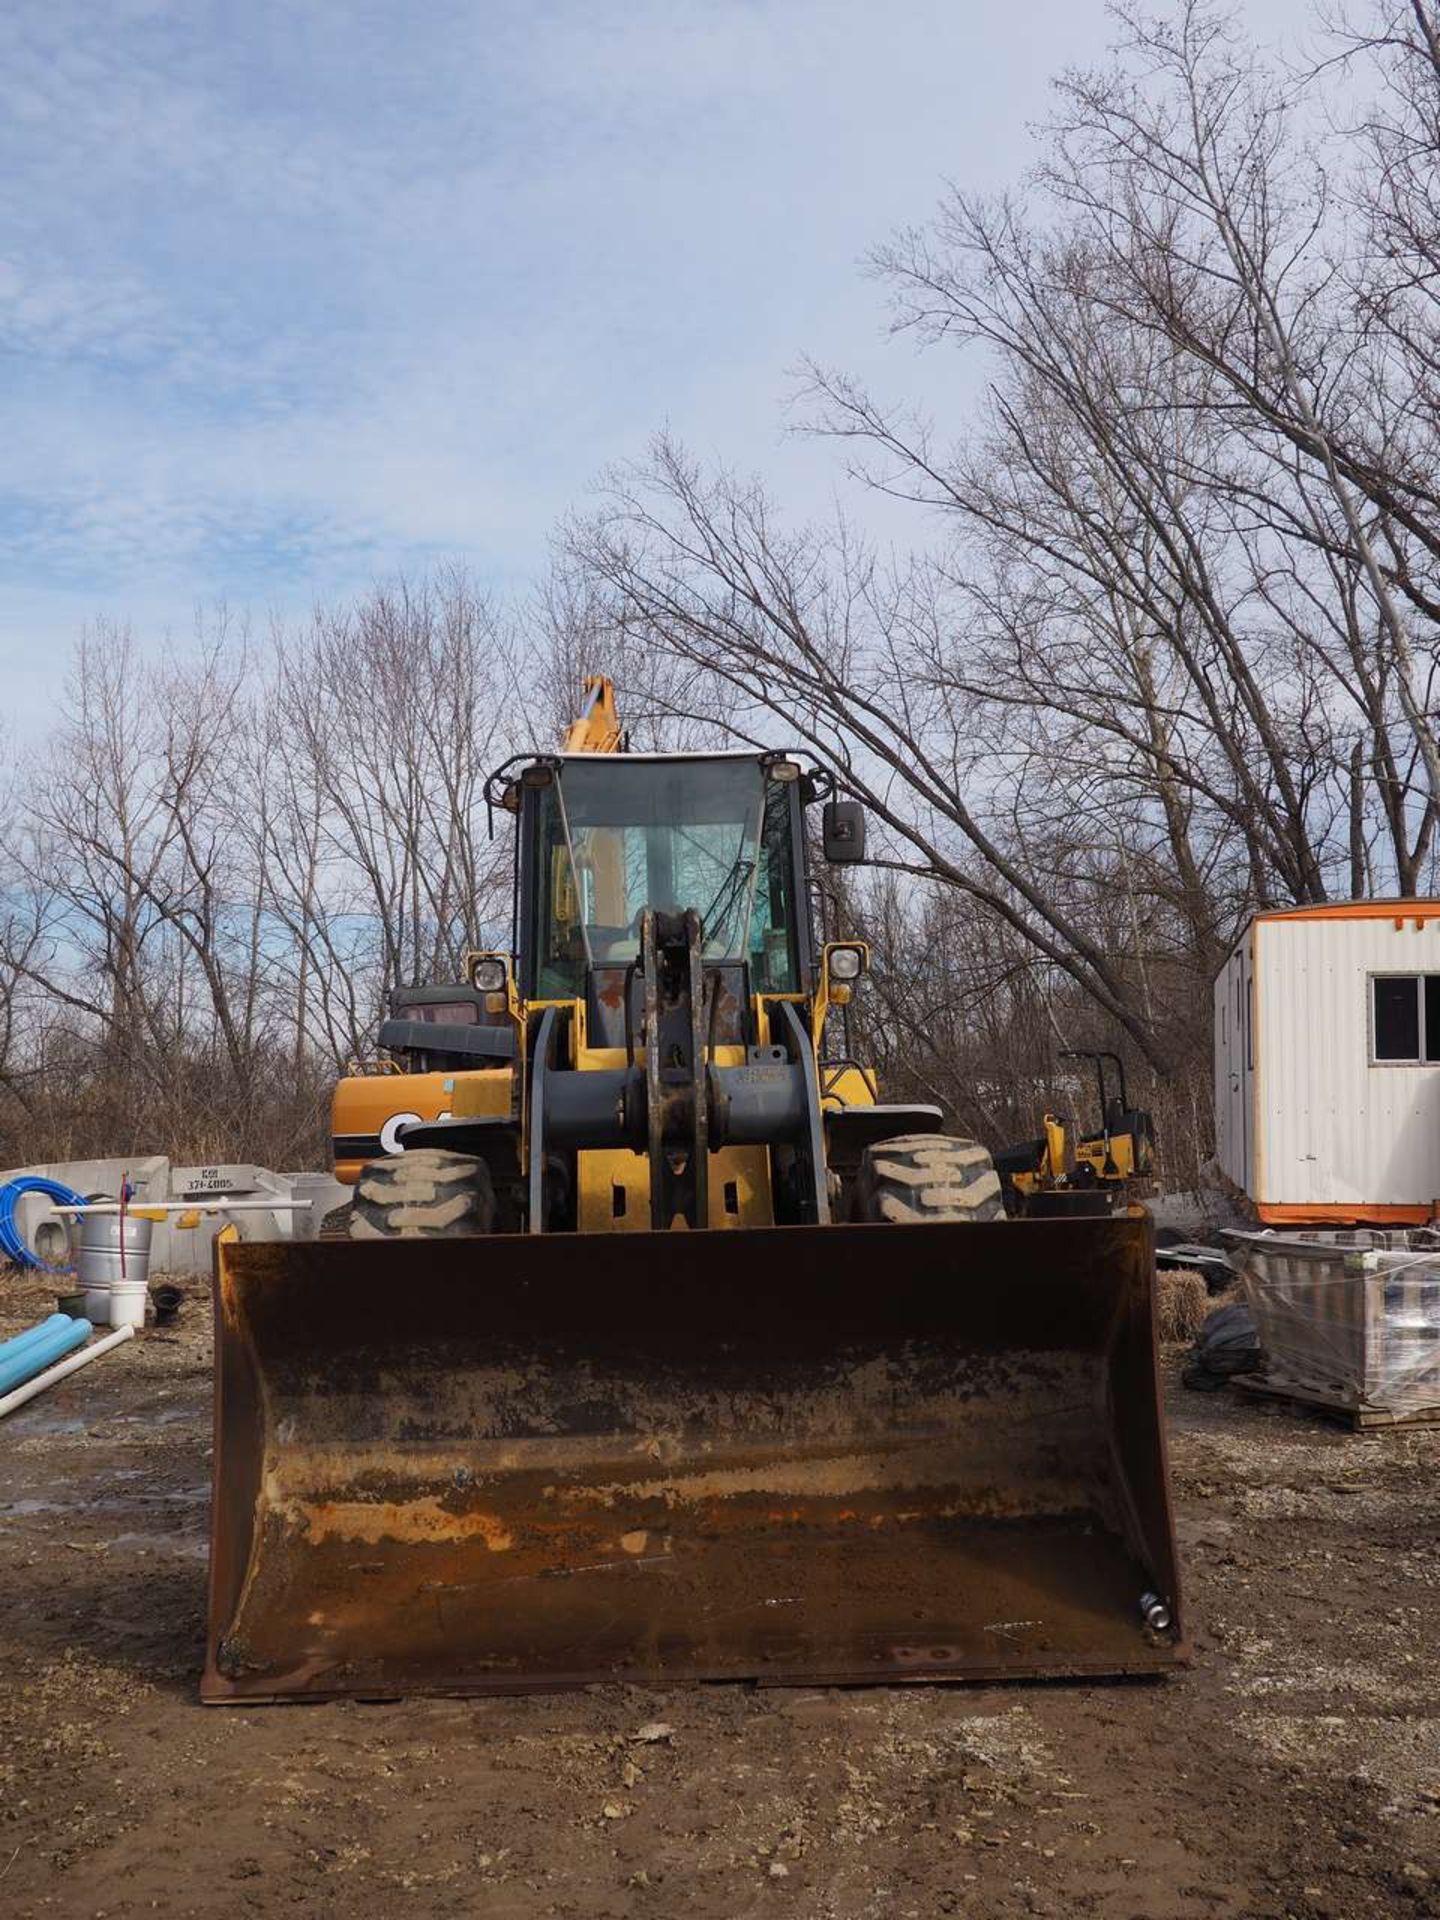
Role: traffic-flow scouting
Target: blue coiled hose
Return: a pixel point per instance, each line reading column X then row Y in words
column 13, row 1244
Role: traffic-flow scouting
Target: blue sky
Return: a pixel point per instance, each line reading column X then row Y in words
column 297, row 295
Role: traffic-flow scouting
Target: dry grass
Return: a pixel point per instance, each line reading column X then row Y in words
column 1184, row 1301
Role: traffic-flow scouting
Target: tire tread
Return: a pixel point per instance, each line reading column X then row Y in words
column 423, row 1195
column 928, row 1176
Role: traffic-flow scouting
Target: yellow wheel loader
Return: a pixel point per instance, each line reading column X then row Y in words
column 651, row 1346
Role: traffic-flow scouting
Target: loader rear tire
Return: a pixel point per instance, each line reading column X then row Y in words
column 928, row 1176
column 422, row 1195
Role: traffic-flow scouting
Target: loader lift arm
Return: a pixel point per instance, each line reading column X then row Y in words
column 596, row 728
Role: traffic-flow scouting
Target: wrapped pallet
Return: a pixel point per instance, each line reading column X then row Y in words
column 1349, row 1319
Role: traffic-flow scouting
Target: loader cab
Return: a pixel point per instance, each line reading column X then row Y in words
column 604, row 836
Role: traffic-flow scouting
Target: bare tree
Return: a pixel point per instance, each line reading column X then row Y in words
column 1171, row 655
column 1167, row 650
column 227, row 855
column 804, row 631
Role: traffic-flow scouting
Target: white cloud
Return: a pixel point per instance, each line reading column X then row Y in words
column 293, row 295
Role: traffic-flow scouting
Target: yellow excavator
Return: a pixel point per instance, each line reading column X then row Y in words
column 652, row 1346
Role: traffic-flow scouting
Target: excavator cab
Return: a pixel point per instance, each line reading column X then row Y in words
column 614, row 1367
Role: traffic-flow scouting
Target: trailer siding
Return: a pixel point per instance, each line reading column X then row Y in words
column 1305, row 1117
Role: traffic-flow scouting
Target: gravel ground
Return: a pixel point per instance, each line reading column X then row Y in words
column 1294, row 1771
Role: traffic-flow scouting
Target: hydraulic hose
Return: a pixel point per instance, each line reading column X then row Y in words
column 13, row 1244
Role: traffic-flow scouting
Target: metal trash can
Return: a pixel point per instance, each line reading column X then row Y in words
column 115, row 1291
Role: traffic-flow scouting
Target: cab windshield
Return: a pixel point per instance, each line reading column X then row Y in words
column 617, row 836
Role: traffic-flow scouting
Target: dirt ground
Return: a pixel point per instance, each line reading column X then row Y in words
column 1295, row 1771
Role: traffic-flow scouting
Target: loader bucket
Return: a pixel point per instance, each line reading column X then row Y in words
column 795, row 1454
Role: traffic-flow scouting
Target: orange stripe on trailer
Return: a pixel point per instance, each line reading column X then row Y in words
column 1399, row 911
column 1334, row 1214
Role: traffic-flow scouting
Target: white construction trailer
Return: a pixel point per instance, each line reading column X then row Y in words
column 1327, row 1064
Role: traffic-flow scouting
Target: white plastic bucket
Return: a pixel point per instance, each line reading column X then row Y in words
column 127, row 1303
column 98, row 1268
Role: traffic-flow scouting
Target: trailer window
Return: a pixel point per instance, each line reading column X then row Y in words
column 1405, row 1018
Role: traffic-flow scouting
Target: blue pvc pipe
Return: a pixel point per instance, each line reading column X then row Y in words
column 18, row 1342
column 16, row 1369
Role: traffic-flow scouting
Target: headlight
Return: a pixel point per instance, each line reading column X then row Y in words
column 846, row 963
column 488, row 974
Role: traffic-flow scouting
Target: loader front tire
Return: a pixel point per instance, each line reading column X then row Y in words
column 422, row 1195
column 927, row 1176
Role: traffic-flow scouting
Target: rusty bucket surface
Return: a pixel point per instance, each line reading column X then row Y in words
column 830, row 1454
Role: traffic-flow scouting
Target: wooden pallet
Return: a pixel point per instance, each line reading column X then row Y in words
column 1358, row 1419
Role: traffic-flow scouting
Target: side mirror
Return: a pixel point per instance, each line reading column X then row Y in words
column 843, row 832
